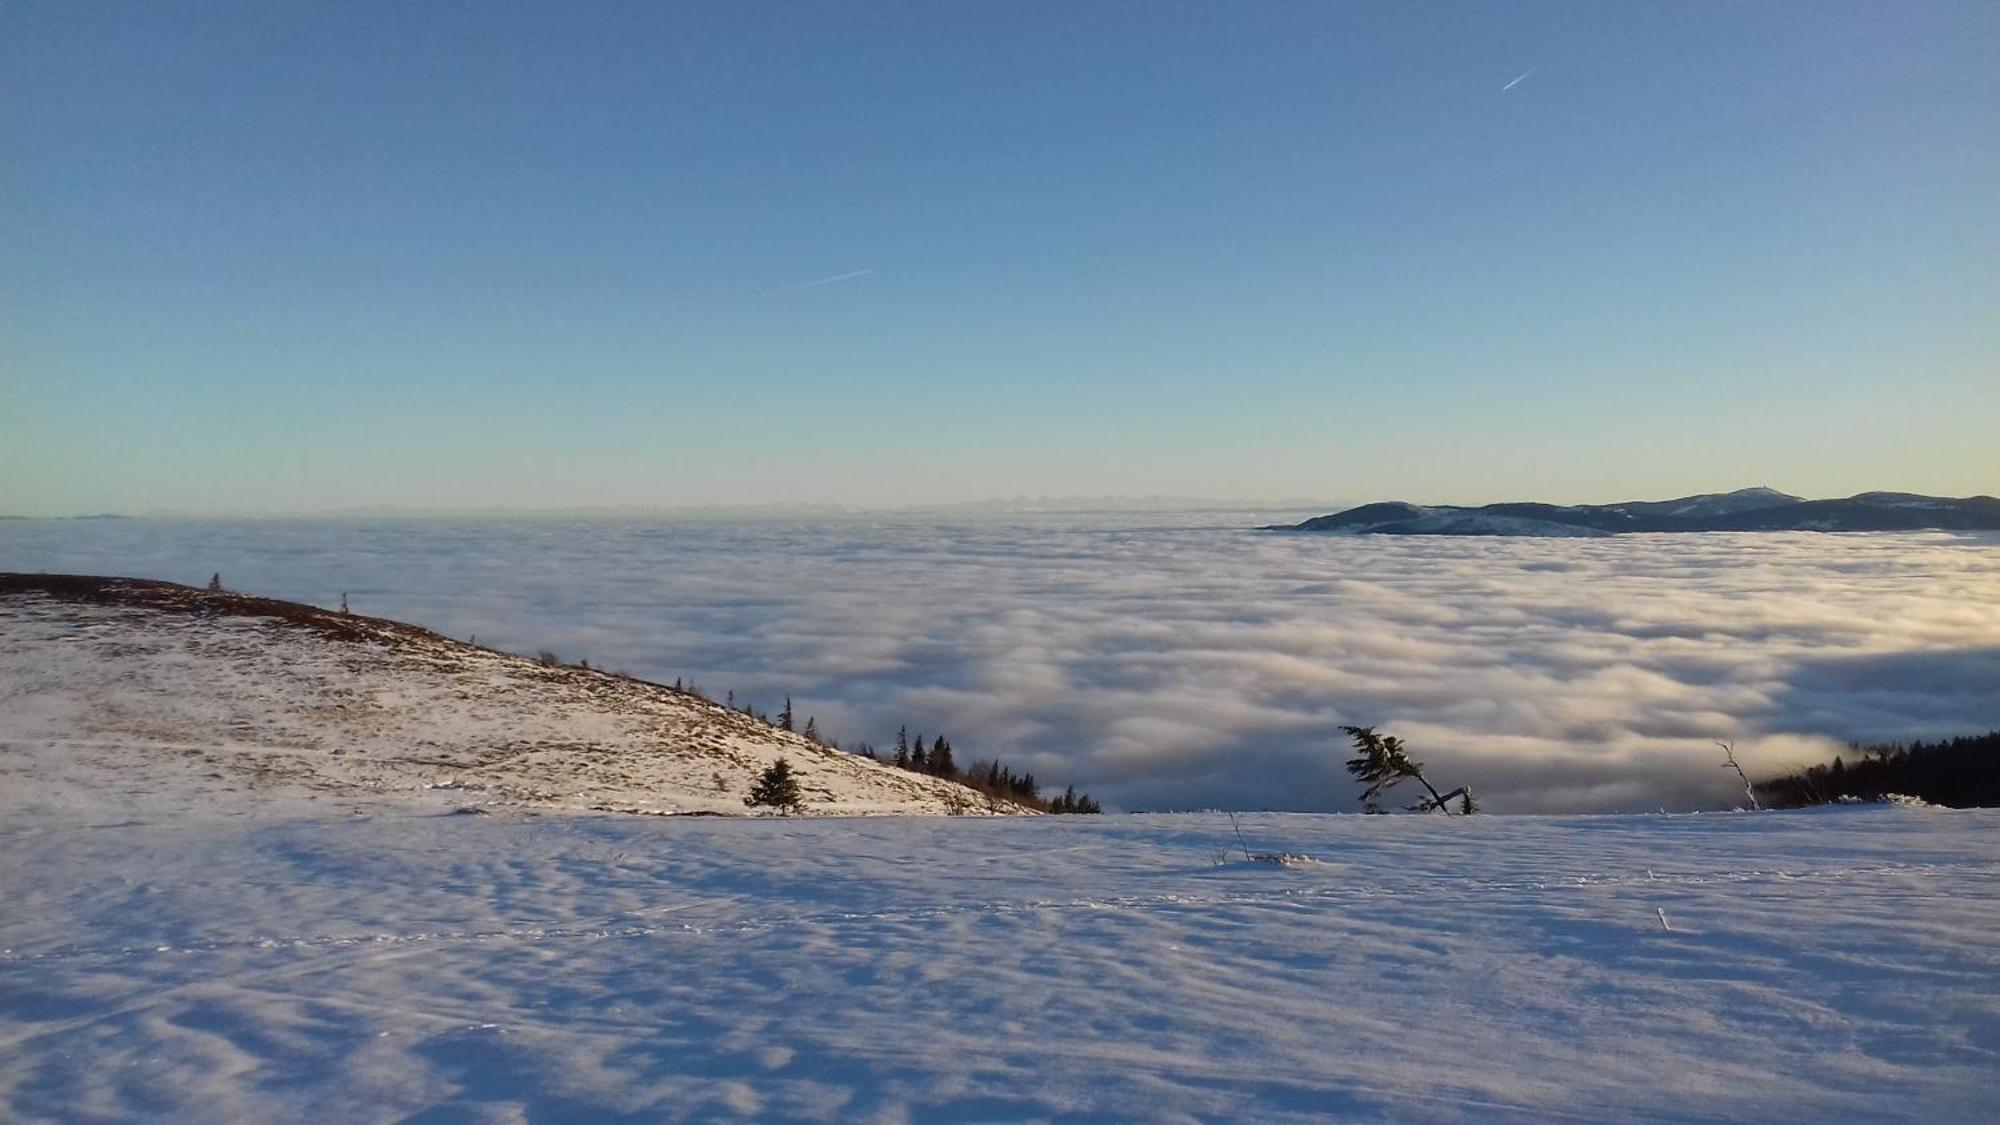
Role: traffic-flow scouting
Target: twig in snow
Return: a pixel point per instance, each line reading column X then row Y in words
column 1664, row 924
column 1239, row 837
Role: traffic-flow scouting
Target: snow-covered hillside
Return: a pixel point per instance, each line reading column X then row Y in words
column 1830, row 966
column 1722, row 503
column 115, row 692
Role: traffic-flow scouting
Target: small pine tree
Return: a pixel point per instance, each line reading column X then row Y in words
column 1381, row 761
column 812, row 729
column 785, row 716
column 919, row 760
column 778, row 789
column 215, row 582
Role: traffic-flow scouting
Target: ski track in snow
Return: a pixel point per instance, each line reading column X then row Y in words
column 403, row 965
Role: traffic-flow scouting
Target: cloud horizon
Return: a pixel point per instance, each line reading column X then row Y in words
column 1162, row 662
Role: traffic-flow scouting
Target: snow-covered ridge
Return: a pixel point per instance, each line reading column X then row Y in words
column 152, row 689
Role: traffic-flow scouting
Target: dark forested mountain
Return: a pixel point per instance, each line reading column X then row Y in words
column 1746, row 509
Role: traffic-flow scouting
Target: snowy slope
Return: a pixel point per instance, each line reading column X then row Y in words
column 1819, row 967
column 1720, row 503
column 158, row 693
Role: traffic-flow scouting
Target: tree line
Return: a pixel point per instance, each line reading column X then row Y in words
column 988, row 776
column 935, row 759
column 1961, row 772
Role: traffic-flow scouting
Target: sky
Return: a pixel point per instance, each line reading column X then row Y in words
column 309, row 257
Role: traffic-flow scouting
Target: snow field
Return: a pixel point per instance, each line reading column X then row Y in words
column 407, row 965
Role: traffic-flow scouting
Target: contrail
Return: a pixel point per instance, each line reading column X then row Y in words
column 1518, row 81
column 835, row 279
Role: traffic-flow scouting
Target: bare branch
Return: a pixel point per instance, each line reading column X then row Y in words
column 1729, row 763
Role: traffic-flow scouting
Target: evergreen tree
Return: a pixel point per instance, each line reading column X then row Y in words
column 785, row 716
column 1073, row 802
column 940, row 762
column 778, row 789
column 1381, row 761
column 812, row 729
column 919, row 761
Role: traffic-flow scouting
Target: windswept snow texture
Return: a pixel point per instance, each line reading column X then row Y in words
column 1829, row 966
column 1175, row 661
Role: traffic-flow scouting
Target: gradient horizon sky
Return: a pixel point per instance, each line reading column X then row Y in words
column 290, row 257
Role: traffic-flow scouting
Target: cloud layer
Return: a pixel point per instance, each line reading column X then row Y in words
column 1165, row 665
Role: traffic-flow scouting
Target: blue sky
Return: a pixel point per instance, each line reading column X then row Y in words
column 288, row 257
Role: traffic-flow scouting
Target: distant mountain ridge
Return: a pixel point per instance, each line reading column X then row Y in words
column 1746, row 509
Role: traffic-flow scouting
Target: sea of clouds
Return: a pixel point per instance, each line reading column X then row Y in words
column 1177, row 661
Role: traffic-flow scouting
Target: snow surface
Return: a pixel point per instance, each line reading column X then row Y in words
column 249, row 958
column 112, row 701
column 1741, row 500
